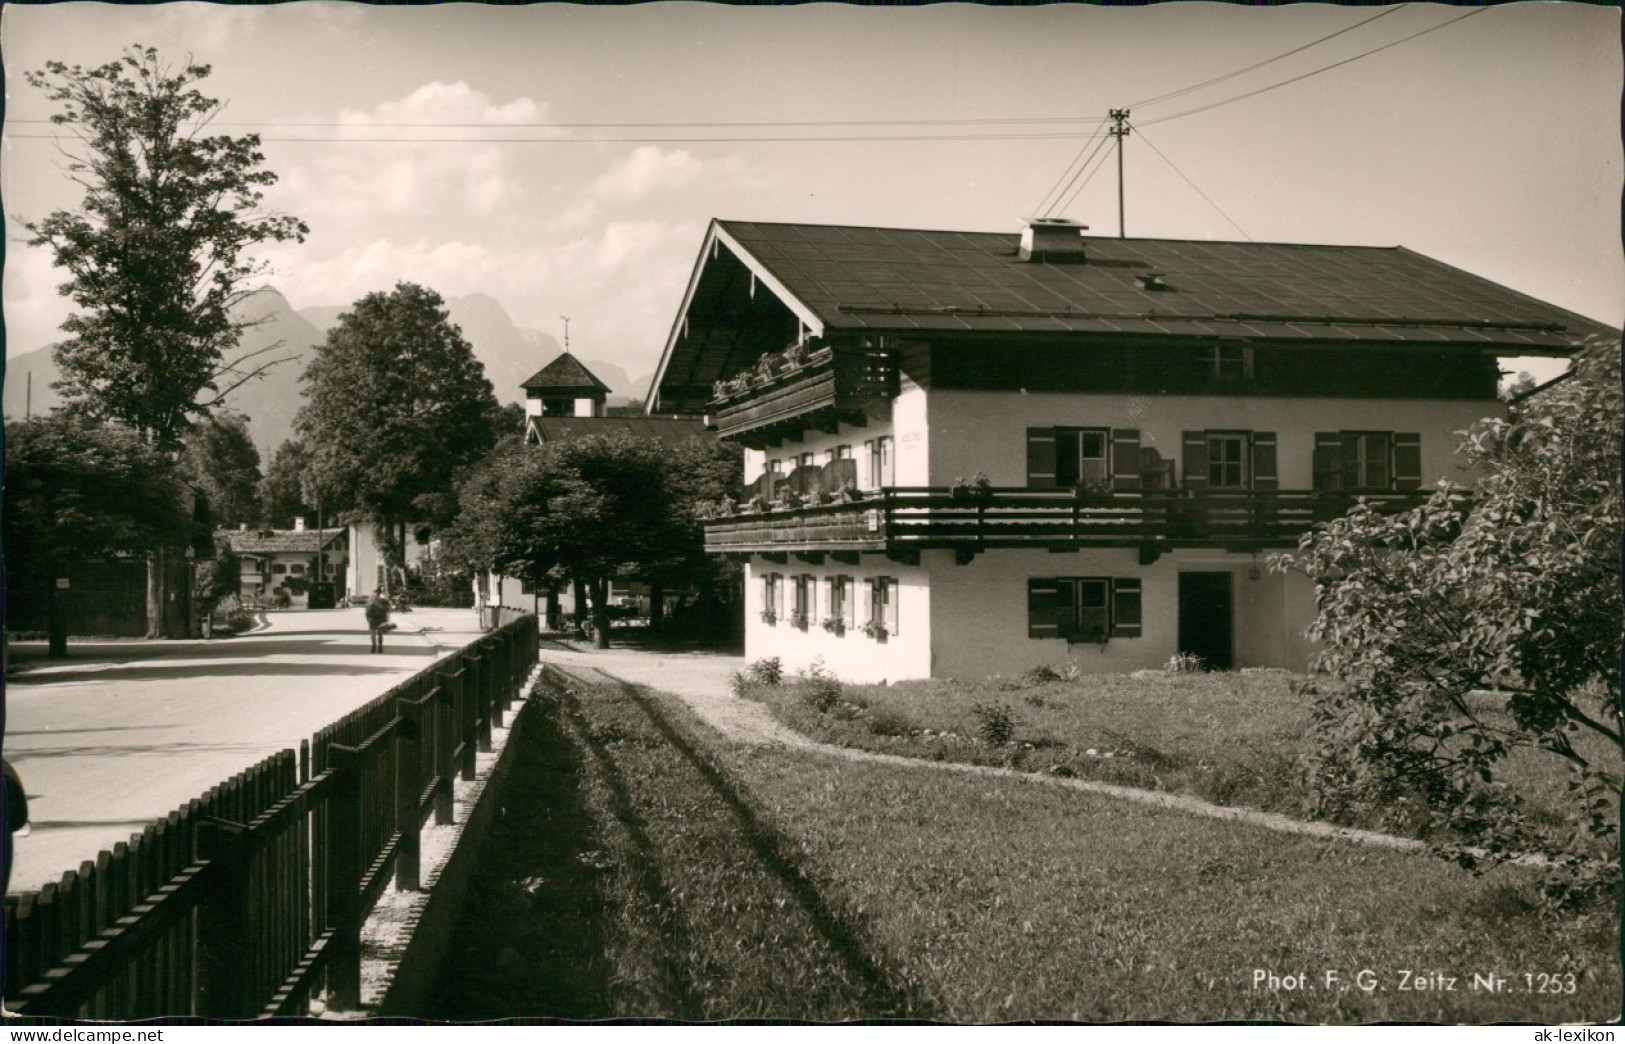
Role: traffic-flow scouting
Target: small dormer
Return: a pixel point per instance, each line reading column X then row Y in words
column 565, row 388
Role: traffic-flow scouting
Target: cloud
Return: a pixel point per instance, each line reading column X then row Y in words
column 34, row 311
column 647, row 168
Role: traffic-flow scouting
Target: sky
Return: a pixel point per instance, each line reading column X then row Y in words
column 566, row 159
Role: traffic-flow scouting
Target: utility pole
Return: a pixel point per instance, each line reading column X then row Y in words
column 1120, row 131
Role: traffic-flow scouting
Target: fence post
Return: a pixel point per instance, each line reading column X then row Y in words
column 490, row 679
column 499, row 708
column 473, row 696
column 223, row 928
column 408, row 791
column 344, row 871
column 447, row 730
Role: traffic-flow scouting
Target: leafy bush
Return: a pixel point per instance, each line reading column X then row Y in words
column 889, row 723
column 818, row 688
column 995, row 722
column 1045, row 674
column 767, row 671
column 1185, row 663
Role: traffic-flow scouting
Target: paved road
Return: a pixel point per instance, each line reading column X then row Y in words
column 123, row 732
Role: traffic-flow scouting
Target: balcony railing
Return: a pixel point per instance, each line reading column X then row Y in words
column 791, row 391
column 973, row 520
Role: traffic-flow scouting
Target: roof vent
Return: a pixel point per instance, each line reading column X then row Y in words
column 1053, row 240
column 1152, row 281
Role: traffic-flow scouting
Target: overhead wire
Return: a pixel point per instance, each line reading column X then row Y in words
column 1099, row 163
column 1081, row 149
column 1191, row 183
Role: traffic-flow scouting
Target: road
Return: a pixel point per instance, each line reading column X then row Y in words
column 123, row 732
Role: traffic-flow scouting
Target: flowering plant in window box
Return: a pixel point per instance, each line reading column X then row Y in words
column 791, row 499
column 798, row 620
column 835, row 625
column 979, row 488
column 847, row 493
column 795, row 356
column 769, row 617
column 755, row 504
column 875, row 629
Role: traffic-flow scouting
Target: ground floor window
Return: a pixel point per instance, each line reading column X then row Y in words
column 1083, row 608
column 770, row 599
column 839, row 604
column 882, row 619
column 801, row 604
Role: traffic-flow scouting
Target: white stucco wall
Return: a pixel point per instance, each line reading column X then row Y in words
column 987, row 431
column 853, row 656
column 909, row 443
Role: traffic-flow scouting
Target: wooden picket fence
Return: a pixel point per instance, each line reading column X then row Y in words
column 249, row 900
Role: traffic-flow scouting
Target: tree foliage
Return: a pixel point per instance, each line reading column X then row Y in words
column 221, row 461
column 281, row 494
column 589, row 508
column 396, row 409
column 1475, row 633
column 75, row 489
column 157, row 250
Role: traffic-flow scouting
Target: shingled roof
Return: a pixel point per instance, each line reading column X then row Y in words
column 551, row 429
column 898, row 280
column 564, row 375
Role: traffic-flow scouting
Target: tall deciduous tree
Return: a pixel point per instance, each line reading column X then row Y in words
column 157, row 252
column 396, row 409
column 76, row 488
column 282, row 497
column 221, row 461
column 1472, row 634
column 589, row 508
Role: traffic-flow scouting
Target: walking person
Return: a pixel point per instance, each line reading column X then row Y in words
column 378, row 619
column 16, row 816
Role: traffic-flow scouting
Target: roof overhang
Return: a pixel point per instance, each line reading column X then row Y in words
column 716, row 238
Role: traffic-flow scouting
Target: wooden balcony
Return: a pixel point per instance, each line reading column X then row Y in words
column 919, row 518
column 780, row 400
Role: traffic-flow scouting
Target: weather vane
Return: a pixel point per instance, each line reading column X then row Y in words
column 566, row 332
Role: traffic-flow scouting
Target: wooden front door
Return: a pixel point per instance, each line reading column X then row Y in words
column 1207, row 618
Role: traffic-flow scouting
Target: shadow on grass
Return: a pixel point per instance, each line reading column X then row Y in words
column 530, row 939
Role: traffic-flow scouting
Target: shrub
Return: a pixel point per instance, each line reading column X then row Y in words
column 995, row 722
column 767, row 671
column 820, row 689
column 890, row 723
column 1045, row 674
column 1185, row 663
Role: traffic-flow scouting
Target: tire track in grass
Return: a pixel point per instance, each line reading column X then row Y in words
column 776, row 856
column 651, row 882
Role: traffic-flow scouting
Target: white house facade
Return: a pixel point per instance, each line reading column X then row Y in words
column 969, row 453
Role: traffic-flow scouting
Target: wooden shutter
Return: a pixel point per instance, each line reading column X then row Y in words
column 1126, row 608
column 1407, row 460
column 864, row 596
column 849, row 588
column 1195, row 443
column 1265, row 475
column 1328, row 462
column 894, row 596
column 1041, row 458
column 1043, row 609
column 1126, row 458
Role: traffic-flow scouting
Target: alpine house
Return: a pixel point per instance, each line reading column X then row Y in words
column 970, row 452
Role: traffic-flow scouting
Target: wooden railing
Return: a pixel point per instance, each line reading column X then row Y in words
column 1004, row 517
column 249, row 901
column 761, row 404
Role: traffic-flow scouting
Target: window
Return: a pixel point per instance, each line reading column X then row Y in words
column 1227, row 460
column 801, row 606
column 880, row 462
column 770, row 599
column 1082, row 457
column 882, row 622
column 1367, row 461
column 840, row 607
column 1224, row 362
column 297, row 567
column 775, row 466
column 1083, row 608
column 279, row 568
column 805, row 460
column 838, row 453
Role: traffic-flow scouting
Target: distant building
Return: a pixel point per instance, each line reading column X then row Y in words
column 972, row 452
column 276, row 562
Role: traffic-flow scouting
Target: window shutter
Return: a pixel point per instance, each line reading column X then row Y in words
column 1041, row 458
column 1265, row 475
column 1126, row 608
column 1196, row 461
column 1126, row 458
column 1328, row 461
column 849, row 610
column 1043, row 609
column 864, row 596
column 894, row 595
column 1407, row 460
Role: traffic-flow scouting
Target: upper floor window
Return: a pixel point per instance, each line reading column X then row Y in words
column 838, row 453
column 1083, row 457
column 1234, row 460
column 775, row 466
column 1224, row 362
column 1367, row 460
column 881, row 461
column 1094, row 459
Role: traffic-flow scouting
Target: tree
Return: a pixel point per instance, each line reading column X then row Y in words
column 221, row 461
column 396, row 409
column 588, row 508
column 75, row 488
column 1475, row 632
column 281, row 494
column 157, row 252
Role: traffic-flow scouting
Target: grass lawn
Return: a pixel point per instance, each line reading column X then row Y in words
column 688, row 878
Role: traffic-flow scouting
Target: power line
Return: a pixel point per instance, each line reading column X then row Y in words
column 641, row 123
column 638, row 139
column 1192, row 184
column 1099, row 161
column 1081, row 149
column 1316, row 72
column 1259, row 65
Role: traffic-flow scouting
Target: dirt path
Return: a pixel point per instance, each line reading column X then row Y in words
column 701, row 681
